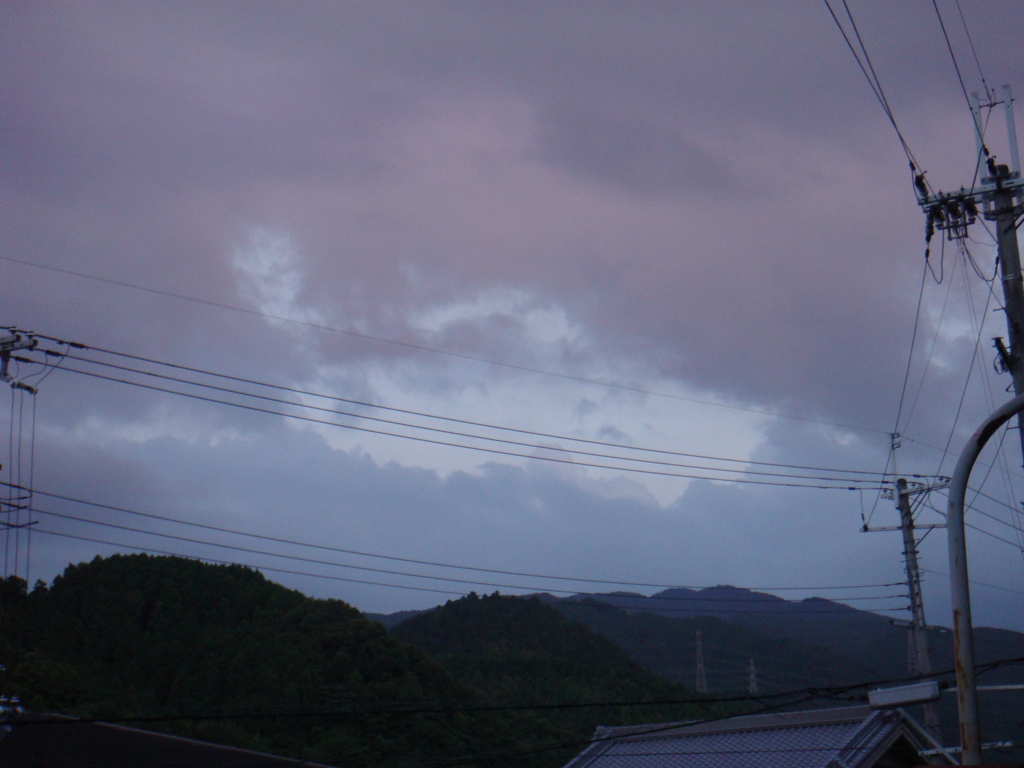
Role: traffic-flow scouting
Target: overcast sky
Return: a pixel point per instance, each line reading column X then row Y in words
column 686, row 227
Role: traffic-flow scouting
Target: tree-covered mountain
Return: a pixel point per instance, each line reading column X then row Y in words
column 131, row 636
column 794, row 643
column 519, row 649
column 667, row 646
column 137, row 636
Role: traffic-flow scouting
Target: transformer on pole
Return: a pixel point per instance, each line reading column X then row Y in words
column 997, row 197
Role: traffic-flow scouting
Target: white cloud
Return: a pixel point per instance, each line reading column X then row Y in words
column 270, row 276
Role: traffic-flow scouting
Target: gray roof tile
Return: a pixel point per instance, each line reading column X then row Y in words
column 850, row 736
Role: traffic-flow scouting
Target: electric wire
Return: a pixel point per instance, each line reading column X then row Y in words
column 910, row 356
column 349, row 580
column 449, row 707
column 974, row 51
column 873, row 82
column 970, row 369
column 437, row 564
column 845, row 484
column 929, row 358
column 404, row 411
column 439, row 430
column 975, row 582
column 435, row 350
column 261, row 568
column 983, row 513
column 443, row 707
column 956, row 66
column 812, row 694
column 391, row 572
column 980, row 530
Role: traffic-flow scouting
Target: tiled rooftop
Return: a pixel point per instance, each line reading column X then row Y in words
column 851, row 736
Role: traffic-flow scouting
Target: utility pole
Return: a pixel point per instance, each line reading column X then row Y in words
column 919, row 660
column 702, row 680
column 752, row 678
column 999, row 198
column 918, row 626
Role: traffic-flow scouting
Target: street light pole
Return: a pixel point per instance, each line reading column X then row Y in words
column 960, row 593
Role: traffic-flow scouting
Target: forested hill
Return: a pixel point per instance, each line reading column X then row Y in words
column 140, row 636
column 519, row 649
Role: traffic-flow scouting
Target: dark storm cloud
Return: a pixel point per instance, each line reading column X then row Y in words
column 531, row 520
column 705, row 194
column 637, row 157
column 200, row 123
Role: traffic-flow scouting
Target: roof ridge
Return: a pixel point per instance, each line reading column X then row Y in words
column 758, row 722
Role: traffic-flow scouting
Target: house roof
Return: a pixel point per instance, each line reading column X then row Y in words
column 851, row 737
column 51, row 741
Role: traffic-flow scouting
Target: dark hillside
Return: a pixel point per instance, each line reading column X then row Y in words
column 818, row 642
column 518, row 649
column 136, row 635
column 667, row 647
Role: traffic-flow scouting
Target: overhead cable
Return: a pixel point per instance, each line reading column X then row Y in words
column 436, row 564
column 328, row 577
column 409, row 412
column 438, row 351
column 845, row 484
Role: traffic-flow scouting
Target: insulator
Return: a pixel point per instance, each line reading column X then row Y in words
column 919, row 183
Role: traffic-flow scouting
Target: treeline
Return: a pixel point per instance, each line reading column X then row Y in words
column 240, row 660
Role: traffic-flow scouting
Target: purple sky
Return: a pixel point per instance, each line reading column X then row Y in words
column 687, row 227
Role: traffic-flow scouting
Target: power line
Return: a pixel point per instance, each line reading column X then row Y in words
column 970, row 41
column 374, row 706
column 832, row 483
column 910, row 356
column 956, row 66
column 873, row 82
column 970, row 368
column 980, row 530
column 435, row 350
column 810, row 694
column 978, row 583
column 456, row 433
column 385, row 571
column 928, row 359
column 392, row 409
column 214, row 561
column 989, row 515
column 153, row 550
column 437, row 564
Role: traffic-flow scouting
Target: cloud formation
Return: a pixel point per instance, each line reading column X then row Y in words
column 680, row 227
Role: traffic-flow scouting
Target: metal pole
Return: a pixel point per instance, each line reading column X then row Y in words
column 960, row 593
